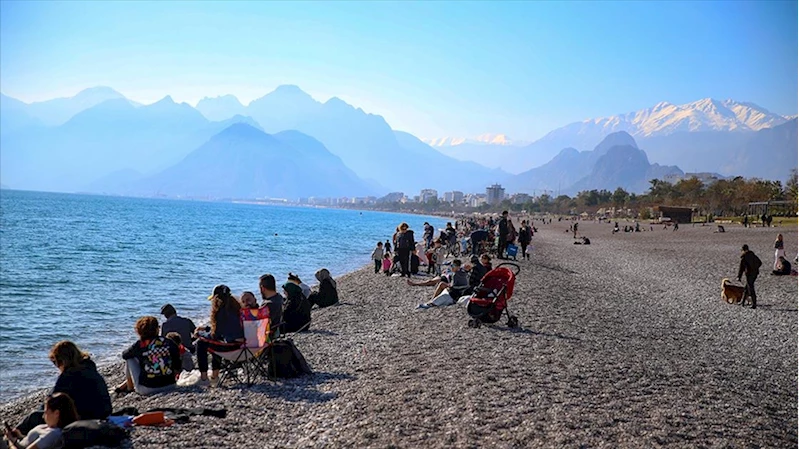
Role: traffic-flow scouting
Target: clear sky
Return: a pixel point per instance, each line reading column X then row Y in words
column 434, row 69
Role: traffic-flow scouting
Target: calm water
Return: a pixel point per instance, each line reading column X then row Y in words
column 84, row 267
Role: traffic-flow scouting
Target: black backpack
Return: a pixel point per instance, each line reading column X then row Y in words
column 287, row 361
column 92, row 432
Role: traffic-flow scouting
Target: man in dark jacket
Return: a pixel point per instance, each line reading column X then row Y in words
column 503, row 235
column 273, row 300
column 750, row 265
column 174, row 323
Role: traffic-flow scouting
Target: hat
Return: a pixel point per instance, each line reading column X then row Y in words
column 294, row 277
column 167, row 308
column 220, row 289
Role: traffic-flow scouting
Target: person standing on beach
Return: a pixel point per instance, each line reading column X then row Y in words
column 377, row 256
column 750, row 265
column 525, row 237
column 503, row 235
column 387, row 247
column 575, row 230
column 428, row 235
column 779, row 250
column 405, row 244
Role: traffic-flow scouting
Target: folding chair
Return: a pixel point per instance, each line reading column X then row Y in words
column 246, row 356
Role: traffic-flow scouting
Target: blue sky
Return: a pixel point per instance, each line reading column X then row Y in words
column 434, row 69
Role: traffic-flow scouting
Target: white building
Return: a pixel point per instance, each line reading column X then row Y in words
column 455, row 197
column 427, row 195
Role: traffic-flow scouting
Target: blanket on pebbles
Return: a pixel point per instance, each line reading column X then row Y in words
column 623, row 343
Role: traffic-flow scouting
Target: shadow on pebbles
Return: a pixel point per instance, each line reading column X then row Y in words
column 623, row 343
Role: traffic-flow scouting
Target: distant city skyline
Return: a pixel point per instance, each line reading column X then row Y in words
column 432, row 69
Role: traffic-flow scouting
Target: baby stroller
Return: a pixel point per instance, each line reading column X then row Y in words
column 491, row 297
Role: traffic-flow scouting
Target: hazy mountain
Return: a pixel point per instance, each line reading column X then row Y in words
column 284, row 108
column 58, row 110
column 244, row 162
column 623, row 166
column 14, row 115
column 768, row 154
column 220, row 108
column 572, row 170
column 718, row 118
column 484, row 139
column 108, row 137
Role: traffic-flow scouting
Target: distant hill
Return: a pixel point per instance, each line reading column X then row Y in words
column 58, row 110
column 244, row 162
column 220, row 108
column 106, row 138
column 615, row 162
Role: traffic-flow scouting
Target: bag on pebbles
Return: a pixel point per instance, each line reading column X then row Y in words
column 287, row 360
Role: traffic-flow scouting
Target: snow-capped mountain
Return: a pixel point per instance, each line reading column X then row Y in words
column 484, row 139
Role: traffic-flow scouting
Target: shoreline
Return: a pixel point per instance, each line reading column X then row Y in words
column 623, row 343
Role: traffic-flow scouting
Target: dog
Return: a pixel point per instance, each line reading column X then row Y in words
column 732, row 294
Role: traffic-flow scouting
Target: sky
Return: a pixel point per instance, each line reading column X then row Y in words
column 434, row 69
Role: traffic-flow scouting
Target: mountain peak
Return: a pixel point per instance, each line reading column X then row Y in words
column 99, row 91
column 166, row 100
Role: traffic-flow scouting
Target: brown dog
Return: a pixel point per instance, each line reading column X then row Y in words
column 732, row 294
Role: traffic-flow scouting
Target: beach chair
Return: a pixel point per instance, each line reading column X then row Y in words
column 246, row 357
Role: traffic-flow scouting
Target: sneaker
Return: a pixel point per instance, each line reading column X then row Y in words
column 203, row 383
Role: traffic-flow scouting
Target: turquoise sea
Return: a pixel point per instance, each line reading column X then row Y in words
column 84, row 267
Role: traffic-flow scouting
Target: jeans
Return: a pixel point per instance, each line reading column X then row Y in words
column 750, row 288
column 378, row 265
column 202, row 354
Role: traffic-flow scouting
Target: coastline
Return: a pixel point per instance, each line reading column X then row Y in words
column 623, row 343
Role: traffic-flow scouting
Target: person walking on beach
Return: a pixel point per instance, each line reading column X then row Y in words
column 750, row 265
column 377, row 256
column 503, row 235
column 779, row 250
column 525, row 237
column 405, row 244
column 575, row 230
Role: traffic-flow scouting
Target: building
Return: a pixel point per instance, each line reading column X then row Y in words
column 520, row 198
column 675, row 214
column 476, row 200
column 495, row 194
column 393, row 197
column 428, row 195
column 455, row 197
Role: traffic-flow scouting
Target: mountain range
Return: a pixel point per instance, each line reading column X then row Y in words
column 100, row 141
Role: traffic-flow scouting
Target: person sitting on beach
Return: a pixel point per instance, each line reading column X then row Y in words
column 174, row 323
column 59, row 412
column 327, row 295
column 78, row 378
column 783, row 267
column 248, row 301
column 297, row 311
column 273, row 300
column 583, row 241
column 306, row 290
column 152, row 363
column 387, row 264
column 225, row 331
column 186, row 362
column 454, row 287
column 480, row 267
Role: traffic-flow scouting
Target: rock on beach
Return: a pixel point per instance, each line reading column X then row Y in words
column 623, row 343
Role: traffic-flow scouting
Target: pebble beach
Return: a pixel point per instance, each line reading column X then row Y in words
column 622, row 343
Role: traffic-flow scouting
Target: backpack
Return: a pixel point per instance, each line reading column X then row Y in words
column 757, row 261
column 287, row 360
column 92, row 432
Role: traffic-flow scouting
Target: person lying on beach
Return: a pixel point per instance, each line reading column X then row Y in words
column 783, row 267
column 327, row 295
column 152, row 363
column 186, row 362
column 454, row 288
column 79, row 379
column 297, row 312
column 225, row 331
column 59, row 412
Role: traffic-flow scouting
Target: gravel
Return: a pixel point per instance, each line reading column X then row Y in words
column 623, row 343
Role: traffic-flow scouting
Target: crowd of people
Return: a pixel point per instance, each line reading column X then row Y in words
column 154, row 362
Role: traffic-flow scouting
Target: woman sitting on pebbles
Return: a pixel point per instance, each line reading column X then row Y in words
column 328, row 292
column 59, row 412
column 225, row 331
column 153, row 362
column 80, row 380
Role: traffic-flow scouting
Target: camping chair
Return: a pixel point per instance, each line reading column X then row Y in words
column 246, row 356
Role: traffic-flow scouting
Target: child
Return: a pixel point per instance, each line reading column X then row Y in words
column 187, row 364
column 431, row 260
column 387, row 264
column 440, row 251
column 59, row 412
column 377, row 256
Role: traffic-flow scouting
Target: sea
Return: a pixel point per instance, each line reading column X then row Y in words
column 86, row 267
